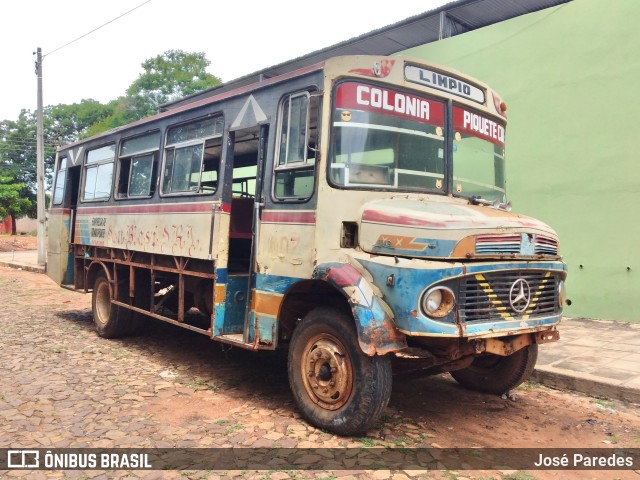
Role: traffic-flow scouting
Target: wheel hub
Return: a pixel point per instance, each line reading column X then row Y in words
column 327, row 372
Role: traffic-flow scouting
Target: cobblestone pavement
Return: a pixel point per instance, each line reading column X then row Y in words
column 63, row 386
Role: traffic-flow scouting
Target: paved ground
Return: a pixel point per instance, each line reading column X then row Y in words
column 600, row 358
column 62, row 386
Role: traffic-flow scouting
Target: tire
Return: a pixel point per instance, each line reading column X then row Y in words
column 110, row 320
column 497, row 375
column 335, row 385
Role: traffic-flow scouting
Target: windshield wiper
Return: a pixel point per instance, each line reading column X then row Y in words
column 497, row 204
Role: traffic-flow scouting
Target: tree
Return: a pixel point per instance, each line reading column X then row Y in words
column 12, row 203
column 18, row 148
column 172, row 75
column 68, row 123
column 18, row 166
column 167, row 77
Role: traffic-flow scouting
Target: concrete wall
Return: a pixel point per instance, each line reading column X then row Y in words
column 570, row 76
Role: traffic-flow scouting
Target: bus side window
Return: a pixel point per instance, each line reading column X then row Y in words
column 192, row 157
column 61, row 177
column 297, row 143
column 137, row 166
column 98, row 173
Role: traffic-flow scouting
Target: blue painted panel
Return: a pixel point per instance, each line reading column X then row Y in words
column 235, row 304
column 221, row 276
column 84, row 230
column 70, row 273
column 473, row 329
column 266, row 329
column 219, row 319
column 409, row 284
column 274, row 283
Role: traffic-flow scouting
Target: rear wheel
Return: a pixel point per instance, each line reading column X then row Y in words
column 110, row 320
column 336, row 386
column 496, row 374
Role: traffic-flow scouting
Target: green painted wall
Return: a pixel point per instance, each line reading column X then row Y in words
column 570, row 76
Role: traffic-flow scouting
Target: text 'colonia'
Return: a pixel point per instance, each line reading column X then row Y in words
column 393, row 101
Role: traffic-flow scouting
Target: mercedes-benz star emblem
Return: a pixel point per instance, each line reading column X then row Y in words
column 520, row 295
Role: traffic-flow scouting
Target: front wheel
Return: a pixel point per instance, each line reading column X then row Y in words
column 336, row 386
column 497, row 375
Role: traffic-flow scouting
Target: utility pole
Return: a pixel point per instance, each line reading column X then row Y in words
column 42, row 260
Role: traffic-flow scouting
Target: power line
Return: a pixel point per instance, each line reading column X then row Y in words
column 95, row 29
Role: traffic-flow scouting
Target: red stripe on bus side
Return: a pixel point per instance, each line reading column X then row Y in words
column 289, row 217
column 128, row 209
column 372, row 216
column 59, row 211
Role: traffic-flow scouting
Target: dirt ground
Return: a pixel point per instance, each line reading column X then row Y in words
column 10, row 243
column 426, row 412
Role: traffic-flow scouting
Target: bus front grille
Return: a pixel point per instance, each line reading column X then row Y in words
column 508, row 295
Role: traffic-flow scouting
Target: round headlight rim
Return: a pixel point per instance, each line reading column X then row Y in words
column 562, row 294
column 448, row 299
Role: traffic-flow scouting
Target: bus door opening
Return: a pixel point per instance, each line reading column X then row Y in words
column 246, row 200
column 61, row 225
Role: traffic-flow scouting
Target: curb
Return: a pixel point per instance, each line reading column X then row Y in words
column 594, row 387
column 28, row 268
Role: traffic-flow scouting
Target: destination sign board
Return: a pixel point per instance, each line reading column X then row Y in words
column 446, row 83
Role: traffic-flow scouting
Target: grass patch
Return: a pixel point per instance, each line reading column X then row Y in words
column 527, row 387
column 604, row 405
column 518, row 476
column 367, row 442
column 120, row 353
column 233, row 428
column 200, row 384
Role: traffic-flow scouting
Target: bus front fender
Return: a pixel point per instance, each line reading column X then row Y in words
column 377, row 333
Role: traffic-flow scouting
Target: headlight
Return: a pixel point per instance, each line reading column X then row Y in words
column 562, row 294
column 438, row 302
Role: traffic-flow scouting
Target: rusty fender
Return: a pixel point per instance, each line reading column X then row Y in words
column 508, row 346
column 377, row 334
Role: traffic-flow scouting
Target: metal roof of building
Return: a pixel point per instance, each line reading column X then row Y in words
column 448, row 20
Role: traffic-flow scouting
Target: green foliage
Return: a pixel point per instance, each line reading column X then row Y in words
column 18, row 151
column 68, row 123
column 12, row 203
column 167, row 77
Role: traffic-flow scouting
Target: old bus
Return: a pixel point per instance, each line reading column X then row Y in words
column 352, row 212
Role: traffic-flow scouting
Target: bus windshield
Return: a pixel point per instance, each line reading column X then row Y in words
column 382, row 138
column 478, row 156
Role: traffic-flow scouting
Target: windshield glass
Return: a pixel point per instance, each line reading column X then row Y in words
column 387, row 139
column 478, row 156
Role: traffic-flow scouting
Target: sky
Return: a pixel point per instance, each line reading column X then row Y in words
column 238, row 38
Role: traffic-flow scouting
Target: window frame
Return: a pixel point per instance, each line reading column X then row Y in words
column 292, row 167
column 130, row 158
column 382, row 187
column 189, row 143
column 64, row 169
column 485, row 115
column 86, row 166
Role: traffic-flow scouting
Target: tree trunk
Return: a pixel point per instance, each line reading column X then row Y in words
column 13, row 224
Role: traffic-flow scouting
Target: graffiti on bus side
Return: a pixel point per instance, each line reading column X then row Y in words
column 169, row 239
